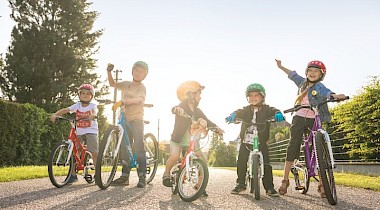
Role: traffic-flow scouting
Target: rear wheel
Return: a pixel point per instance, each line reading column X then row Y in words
column 106, row 165
column 151, row 151
column 256, row 172
column 191, row 188
column 325, row 169
column 58, row 167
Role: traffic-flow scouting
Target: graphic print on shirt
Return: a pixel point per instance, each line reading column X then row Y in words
column 83, row 123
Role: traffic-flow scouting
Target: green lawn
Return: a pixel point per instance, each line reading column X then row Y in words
column 352, row 180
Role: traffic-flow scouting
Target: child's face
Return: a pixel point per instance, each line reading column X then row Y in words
column 255, row 98
column 85, row 95
column 313, row 74
column 138, row 74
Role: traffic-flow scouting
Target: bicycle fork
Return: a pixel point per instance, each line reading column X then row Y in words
column 261, row 161
column 187, row 164
column 328, row 142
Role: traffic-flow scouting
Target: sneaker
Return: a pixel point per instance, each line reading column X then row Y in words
column 272, row 193
column 123, row 180
column 142, row 181
column 72, row 179
column 239, row 188
column 166, row 181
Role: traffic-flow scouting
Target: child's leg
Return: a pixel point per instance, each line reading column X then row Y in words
column 175, row 151
column 242, row 164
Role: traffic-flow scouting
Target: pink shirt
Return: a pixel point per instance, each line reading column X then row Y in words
column 308, row 113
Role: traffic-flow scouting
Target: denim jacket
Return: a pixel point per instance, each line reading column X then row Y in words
column 323, row 93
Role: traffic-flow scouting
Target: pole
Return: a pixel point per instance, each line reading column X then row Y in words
column 115, row 95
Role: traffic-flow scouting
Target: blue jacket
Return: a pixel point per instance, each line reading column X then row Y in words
column 323, row 93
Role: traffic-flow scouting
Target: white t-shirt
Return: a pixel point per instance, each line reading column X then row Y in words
column 84, row 126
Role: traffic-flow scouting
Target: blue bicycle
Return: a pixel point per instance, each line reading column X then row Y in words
column 109, row 149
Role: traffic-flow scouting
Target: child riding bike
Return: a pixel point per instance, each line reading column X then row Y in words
column 311, row 91
column 189, row 94
column 257, row 112
column 87, row 130
column 133, row 96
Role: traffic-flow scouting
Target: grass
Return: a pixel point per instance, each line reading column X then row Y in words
column 351, row 180
column 345, row 179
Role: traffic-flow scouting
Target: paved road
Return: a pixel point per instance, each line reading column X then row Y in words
column 41, row 194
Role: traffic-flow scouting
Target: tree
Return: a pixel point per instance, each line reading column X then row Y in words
column 359, row 120
column 50, row 52
column 221, row 154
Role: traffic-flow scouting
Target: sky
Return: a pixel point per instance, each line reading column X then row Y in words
column 227, row 45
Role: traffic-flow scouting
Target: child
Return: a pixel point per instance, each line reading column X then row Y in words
column 257, row 112
column 311, row 91
column 86, row 130
column 189, row 94
column 133, row 96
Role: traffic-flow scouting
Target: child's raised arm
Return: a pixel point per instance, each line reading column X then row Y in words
column 287, row 71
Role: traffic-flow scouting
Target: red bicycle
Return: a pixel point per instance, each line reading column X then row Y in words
column 68, row 154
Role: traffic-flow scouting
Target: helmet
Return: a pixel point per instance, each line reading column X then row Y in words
column 87, row 87
column 319, row 65
column 186, row 87
column 141, row 64
column 255, row 87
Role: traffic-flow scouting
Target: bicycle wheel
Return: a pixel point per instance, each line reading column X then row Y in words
column 325, row 169
column 255, row 183
column 191, row 188
column 59, row 171
column 301, row 178
column 106, row 165
column 151, row 151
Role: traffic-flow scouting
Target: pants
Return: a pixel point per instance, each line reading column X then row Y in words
column 242, row 165
column 300, row 125
column 137, row 143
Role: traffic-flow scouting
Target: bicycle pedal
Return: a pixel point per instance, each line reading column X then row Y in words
column 300, row 188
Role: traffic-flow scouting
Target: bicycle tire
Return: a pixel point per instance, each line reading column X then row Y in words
column 59, row 173
column 151, row 151
column 106, row 165
column 256, row 172
column 189, row 190
column 325, row 169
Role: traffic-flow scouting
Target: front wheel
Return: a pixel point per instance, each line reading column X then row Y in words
column 325, row 169
column 255, row 184
column 60, row 164
column 192, row 187
column 106, row 165
column 151, row 151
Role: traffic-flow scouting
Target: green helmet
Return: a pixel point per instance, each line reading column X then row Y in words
column 141, row 64
column 255, row 87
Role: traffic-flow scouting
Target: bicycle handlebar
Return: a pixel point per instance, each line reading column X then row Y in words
column 239, row 120
column 298, row 107
column 73, row 120
column 108, row 101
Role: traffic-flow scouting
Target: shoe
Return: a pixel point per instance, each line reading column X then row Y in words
column 166, row 181
column 72, row 179
column 239, row 188
column 142, row 181
column 283, row 190
column 272, row 192
column 123, row 180
column 321, row 190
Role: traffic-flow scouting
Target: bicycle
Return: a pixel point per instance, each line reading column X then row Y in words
column 318, row 157
column 189, row 177
column 109, row 149
column 67, row 154
column 255, row 162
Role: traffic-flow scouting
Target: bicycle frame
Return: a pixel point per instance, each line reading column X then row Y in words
column 190, row 153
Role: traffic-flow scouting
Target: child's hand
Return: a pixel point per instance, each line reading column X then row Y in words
column 231, row 118
column 279, row 117
column 278, row 63
column 219, row 131
column 110, row 67
column 339, row 97
column 53, row 118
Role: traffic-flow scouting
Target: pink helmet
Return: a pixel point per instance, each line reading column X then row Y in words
column 317, row 64
column 87, row 87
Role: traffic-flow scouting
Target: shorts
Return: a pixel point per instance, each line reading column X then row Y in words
column 91, row 140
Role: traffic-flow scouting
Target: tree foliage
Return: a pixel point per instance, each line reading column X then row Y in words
column 221, row 154
column 358, row 119
column 50, row 53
